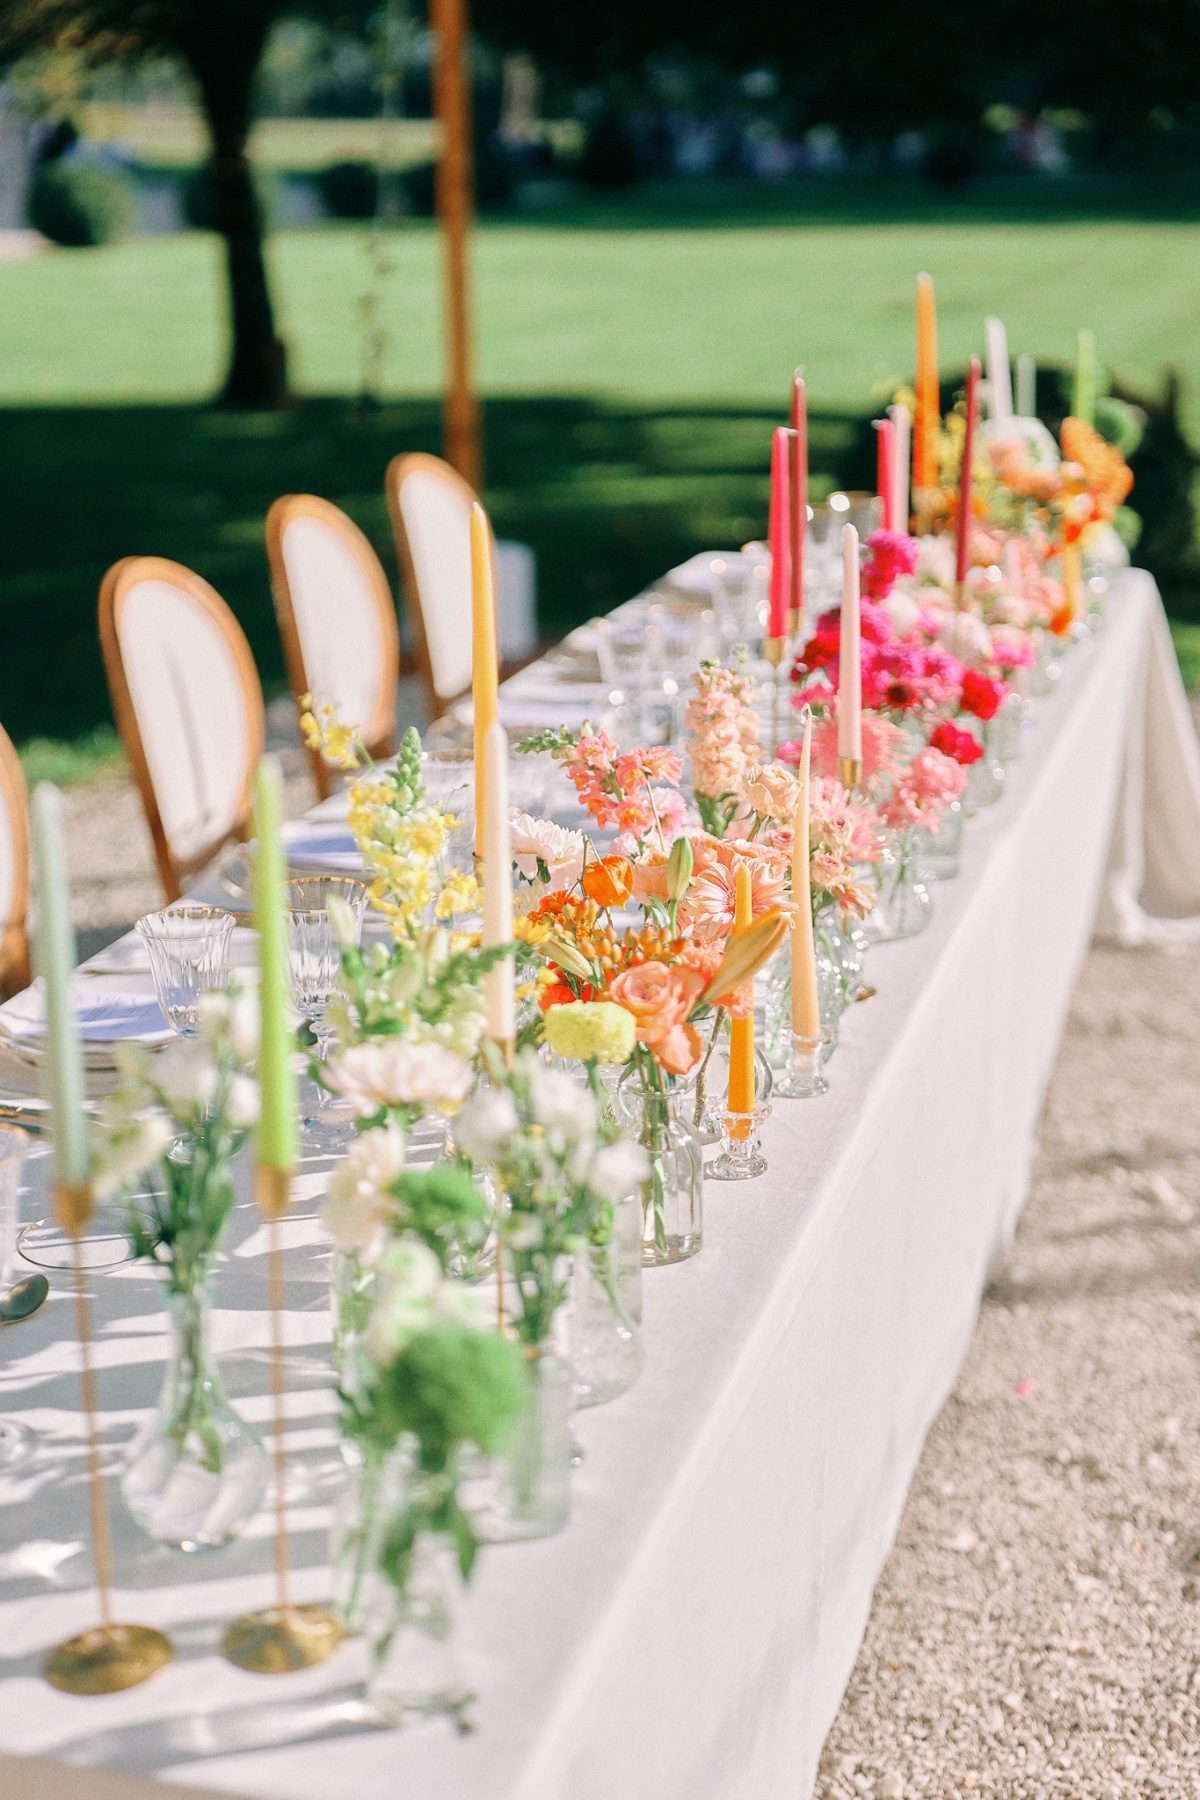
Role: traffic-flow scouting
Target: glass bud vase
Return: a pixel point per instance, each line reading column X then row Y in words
column 606, row 1353
column 939, row 851
column 701, row 1094
column 902, row 904
column 777, row 1033
column 527, row 1489
column 360, row 1514
column 985, row 778
column 410, row 1623
column 195, row 1473
column 672, row 1193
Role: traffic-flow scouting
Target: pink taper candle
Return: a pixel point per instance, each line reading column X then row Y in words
column 902, row 421
column 850, row 667
column 799, row 498
column 806, row 1006
column 964, row 477
column 885, row 466
column 779, row 537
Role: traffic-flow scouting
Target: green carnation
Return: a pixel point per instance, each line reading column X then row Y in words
column 591, row 1031
column 451, row 1385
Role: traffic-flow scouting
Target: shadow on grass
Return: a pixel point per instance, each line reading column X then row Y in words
column 608, row 496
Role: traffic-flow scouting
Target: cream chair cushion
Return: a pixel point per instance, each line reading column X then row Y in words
column 437, row 521
column 190, row 701
column 346, row 656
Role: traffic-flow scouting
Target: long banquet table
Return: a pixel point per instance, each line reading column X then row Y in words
column 690, row 1634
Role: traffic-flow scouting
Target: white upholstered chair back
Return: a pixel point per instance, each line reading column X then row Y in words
column 336, row 618
column 188, row 705
column 430, row 508
column 14, row 871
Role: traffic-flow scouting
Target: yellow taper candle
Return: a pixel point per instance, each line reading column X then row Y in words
column 55, row 955
column 497, row 887
column 741, row 1031
column 276, row 1147
column 806, row 1006
column 484, row 675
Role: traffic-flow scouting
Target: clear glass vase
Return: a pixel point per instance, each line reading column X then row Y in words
column 939, row 852
column 902, row 904
column 985, row 778
column 1010, row 721
column 777, row 1027
column 360, row 1514
column 606, row 1352
column 672, row 1193
column 525, row 1492
column 702, row 1093
column 847, row 944
column 195, row 1473
column 410, row 1603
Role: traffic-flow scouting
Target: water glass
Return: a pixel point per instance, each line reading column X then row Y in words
column 188, row 947
column 315, row 952
column 13, row 1145
column 623, row 641
column 449, row 778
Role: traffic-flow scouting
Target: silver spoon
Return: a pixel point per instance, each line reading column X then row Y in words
column 23, row 1299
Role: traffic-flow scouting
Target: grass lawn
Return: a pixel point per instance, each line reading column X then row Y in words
column 633, row 367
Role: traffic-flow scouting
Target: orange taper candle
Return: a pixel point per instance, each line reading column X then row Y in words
column 484, row 674
column 741, row 1031
column 928, row 418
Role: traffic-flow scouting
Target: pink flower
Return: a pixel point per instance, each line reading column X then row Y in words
column 882, row 744
column 962, row 746
column 931, row 781
column 890, row 555
column 708, row 906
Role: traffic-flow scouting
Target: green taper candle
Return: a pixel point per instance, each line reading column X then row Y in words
column 277, row 1078
column 1083, row 403
column 54, row 951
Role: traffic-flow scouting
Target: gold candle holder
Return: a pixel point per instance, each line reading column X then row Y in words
column 110, row 1656
column 850, row 772
column 283, row 1637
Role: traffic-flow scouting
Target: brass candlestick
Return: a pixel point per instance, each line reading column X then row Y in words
column 110, row 1656
column 283, row 1637
column 850, row 772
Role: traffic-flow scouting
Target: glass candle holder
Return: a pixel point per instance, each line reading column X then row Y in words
column 741, row 1157
column 801, row 1078
column 188, row 948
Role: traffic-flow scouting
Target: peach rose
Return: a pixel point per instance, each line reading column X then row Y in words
column 659, row 997
column 679, row 1052
column 650, row 879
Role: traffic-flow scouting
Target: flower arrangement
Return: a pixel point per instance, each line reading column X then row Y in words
column 723, row 721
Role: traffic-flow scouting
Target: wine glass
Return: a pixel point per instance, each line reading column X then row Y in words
column 316, row 958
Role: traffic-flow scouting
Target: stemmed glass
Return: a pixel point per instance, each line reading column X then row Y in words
column 316, row 955
column 17, row 1442
column 188, row 948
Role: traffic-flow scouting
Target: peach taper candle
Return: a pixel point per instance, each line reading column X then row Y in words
column 484, row 670
column 741, row 1031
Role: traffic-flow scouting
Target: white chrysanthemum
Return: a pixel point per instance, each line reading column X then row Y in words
column 564, row 1109
column 618, row 1169
column 485, row 1123
column 396, row 1072
column 186, row 1075
column 561, row 851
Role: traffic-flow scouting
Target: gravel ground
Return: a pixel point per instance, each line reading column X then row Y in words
column 1036, row 1631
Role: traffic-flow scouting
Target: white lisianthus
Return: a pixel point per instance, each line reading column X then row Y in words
column 618, row 1169
column 126, row 1148
column 541, row 840
column 485, row 1123
column 243, row 1104
column 212, row 1014
column 378, row 1155
column 564, row 1109
column 395, row 1072
column 186, row 1075
column 356, row 1207
column 244, row 1018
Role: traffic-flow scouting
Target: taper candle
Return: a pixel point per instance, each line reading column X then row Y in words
column 806, row 1005
column 55, row 956
column 741, row 1031
column 1083, row 403
column 484, row 673
column 902, row 420
column 277, row 1138
column 929, row 417
column 850, row 660
column 885, row 475
column 998, row 372
column 779, row 537
column 963, row 556
column 799, row 465
column 497, row 888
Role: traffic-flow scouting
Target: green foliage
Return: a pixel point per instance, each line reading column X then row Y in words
column 449, row 1385
column 77, row 206
column 89, row 757
column 350, row 190
column 1186, row 639
column 443, row 1207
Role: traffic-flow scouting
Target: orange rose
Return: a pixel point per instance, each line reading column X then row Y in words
column 659, row 997
column 679, row 1051
column 608, row 882
column 650, row 879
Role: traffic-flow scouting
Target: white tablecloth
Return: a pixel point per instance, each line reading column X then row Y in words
column 691, row 1633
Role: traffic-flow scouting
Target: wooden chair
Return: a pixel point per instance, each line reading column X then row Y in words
column 341, row 641
column 188, row 705
column 430, row 508
column 14, row 871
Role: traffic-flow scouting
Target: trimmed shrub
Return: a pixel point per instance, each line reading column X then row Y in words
column 350, row 190
column 78, row 206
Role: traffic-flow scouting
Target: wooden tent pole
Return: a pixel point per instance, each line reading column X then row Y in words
column 452, row 104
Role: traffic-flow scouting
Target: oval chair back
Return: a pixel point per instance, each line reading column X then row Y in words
column 341, row 641
column 188, row 705
column 14, row 871
column 430, row 508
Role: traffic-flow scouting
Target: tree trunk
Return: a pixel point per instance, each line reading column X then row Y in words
column 223, row 62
